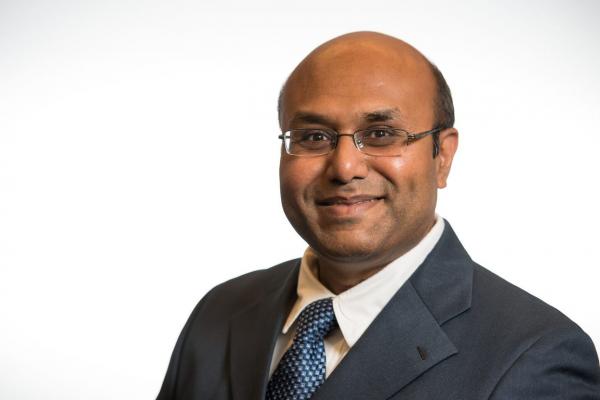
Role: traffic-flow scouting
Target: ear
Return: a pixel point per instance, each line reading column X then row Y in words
column 448, row 146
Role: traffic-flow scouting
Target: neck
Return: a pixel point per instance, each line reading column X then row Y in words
column 339, row 275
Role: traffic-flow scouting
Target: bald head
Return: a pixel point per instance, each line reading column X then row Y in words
column 351, row 59
column 353, row 49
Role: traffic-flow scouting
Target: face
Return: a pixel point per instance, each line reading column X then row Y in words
column 351, row 207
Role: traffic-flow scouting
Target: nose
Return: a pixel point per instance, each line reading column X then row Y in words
column 346, row 162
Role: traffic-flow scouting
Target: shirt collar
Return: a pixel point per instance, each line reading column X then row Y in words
column 358, row 306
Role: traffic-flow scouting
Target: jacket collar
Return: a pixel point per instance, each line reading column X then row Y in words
column 445, row 279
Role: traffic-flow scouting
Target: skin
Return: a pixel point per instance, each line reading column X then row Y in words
column 360, row 212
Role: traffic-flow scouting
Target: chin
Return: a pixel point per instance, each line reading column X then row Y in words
column 341, row 250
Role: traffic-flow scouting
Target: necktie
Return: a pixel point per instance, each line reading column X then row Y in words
column 302, row 368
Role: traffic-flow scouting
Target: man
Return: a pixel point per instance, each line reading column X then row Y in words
column 385, row 303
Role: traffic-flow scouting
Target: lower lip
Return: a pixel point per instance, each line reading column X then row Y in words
column 350, row 210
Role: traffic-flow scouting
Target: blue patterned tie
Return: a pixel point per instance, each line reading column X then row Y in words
column 302, row 368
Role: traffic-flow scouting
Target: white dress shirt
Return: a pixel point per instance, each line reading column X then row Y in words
column 358, row 306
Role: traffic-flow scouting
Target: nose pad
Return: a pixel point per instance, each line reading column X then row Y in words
column 359, row 144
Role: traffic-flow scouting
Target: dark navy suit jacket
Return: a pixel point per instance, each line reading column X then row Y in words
column 454, row 331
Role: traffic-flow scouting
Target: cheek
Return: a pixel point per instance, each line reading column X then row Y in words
column 295, row 177
column 411, row 179
column 398, row 172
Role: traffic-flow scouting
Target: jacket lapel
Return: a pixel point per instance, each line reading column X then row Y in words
column 406, row 339
column 403, row 342
column 254, row 332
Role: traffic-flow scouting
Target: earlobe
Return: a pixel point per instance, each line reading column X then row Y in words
column 448, row 145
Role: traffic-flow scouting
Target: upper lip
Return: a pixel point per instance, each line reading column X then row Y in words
column 347, row 200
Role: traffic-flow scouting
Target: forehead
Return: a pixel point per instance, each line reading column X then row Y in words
column 351, row 83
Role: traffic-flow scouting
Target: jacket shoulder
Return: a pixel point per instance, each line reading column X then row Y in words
column 514, row 307
column 514, row 321
column 200, row 352
column 237, row 293
column 545, row 354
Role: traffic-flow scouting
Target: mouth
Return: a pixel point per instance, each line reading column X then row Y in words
column 347, row 201
column 347, row 207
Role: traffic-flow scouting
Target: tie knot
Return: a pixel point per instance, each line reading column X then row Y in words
column 316, row 320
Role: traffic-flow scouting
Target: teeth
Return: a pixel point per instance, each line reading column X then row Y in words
column 353, row 202
column 346, row 202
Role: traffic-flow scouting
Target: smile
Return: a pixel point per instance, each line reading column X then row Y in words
column 353, row 206
column 348, row 201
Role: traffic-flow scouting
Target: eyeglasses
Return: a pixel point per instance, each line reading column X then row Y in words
column 377, row 141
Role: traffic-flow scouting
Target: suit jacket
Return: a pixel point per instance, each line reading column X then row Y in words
column 454, row 331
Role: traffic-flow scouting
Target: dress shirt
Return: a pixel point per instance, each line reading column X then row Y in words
column 358, row 306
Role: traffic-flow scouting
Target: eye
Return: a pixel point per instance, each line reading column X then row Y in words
column 310, row 141
column 379, row 133
column 311, row 136
column 382, row 136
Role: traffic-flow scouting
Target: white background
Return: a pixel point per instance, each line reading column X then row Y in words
column 115, row 220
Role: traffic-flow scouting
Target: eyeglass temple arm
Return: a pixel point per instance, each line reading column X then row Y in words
column 416, row 136
column 436, row 143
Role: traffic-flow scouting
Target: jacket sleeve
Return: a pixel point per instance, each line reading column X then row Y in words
column 562, row 365
column 168, row 389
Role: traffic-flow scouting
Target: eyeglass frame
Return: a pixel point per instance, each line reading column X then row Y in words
column 411, row 137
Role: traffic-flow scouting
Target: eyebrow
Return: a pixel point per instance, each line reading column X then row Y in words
column 310, row 118
column 382, row 115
